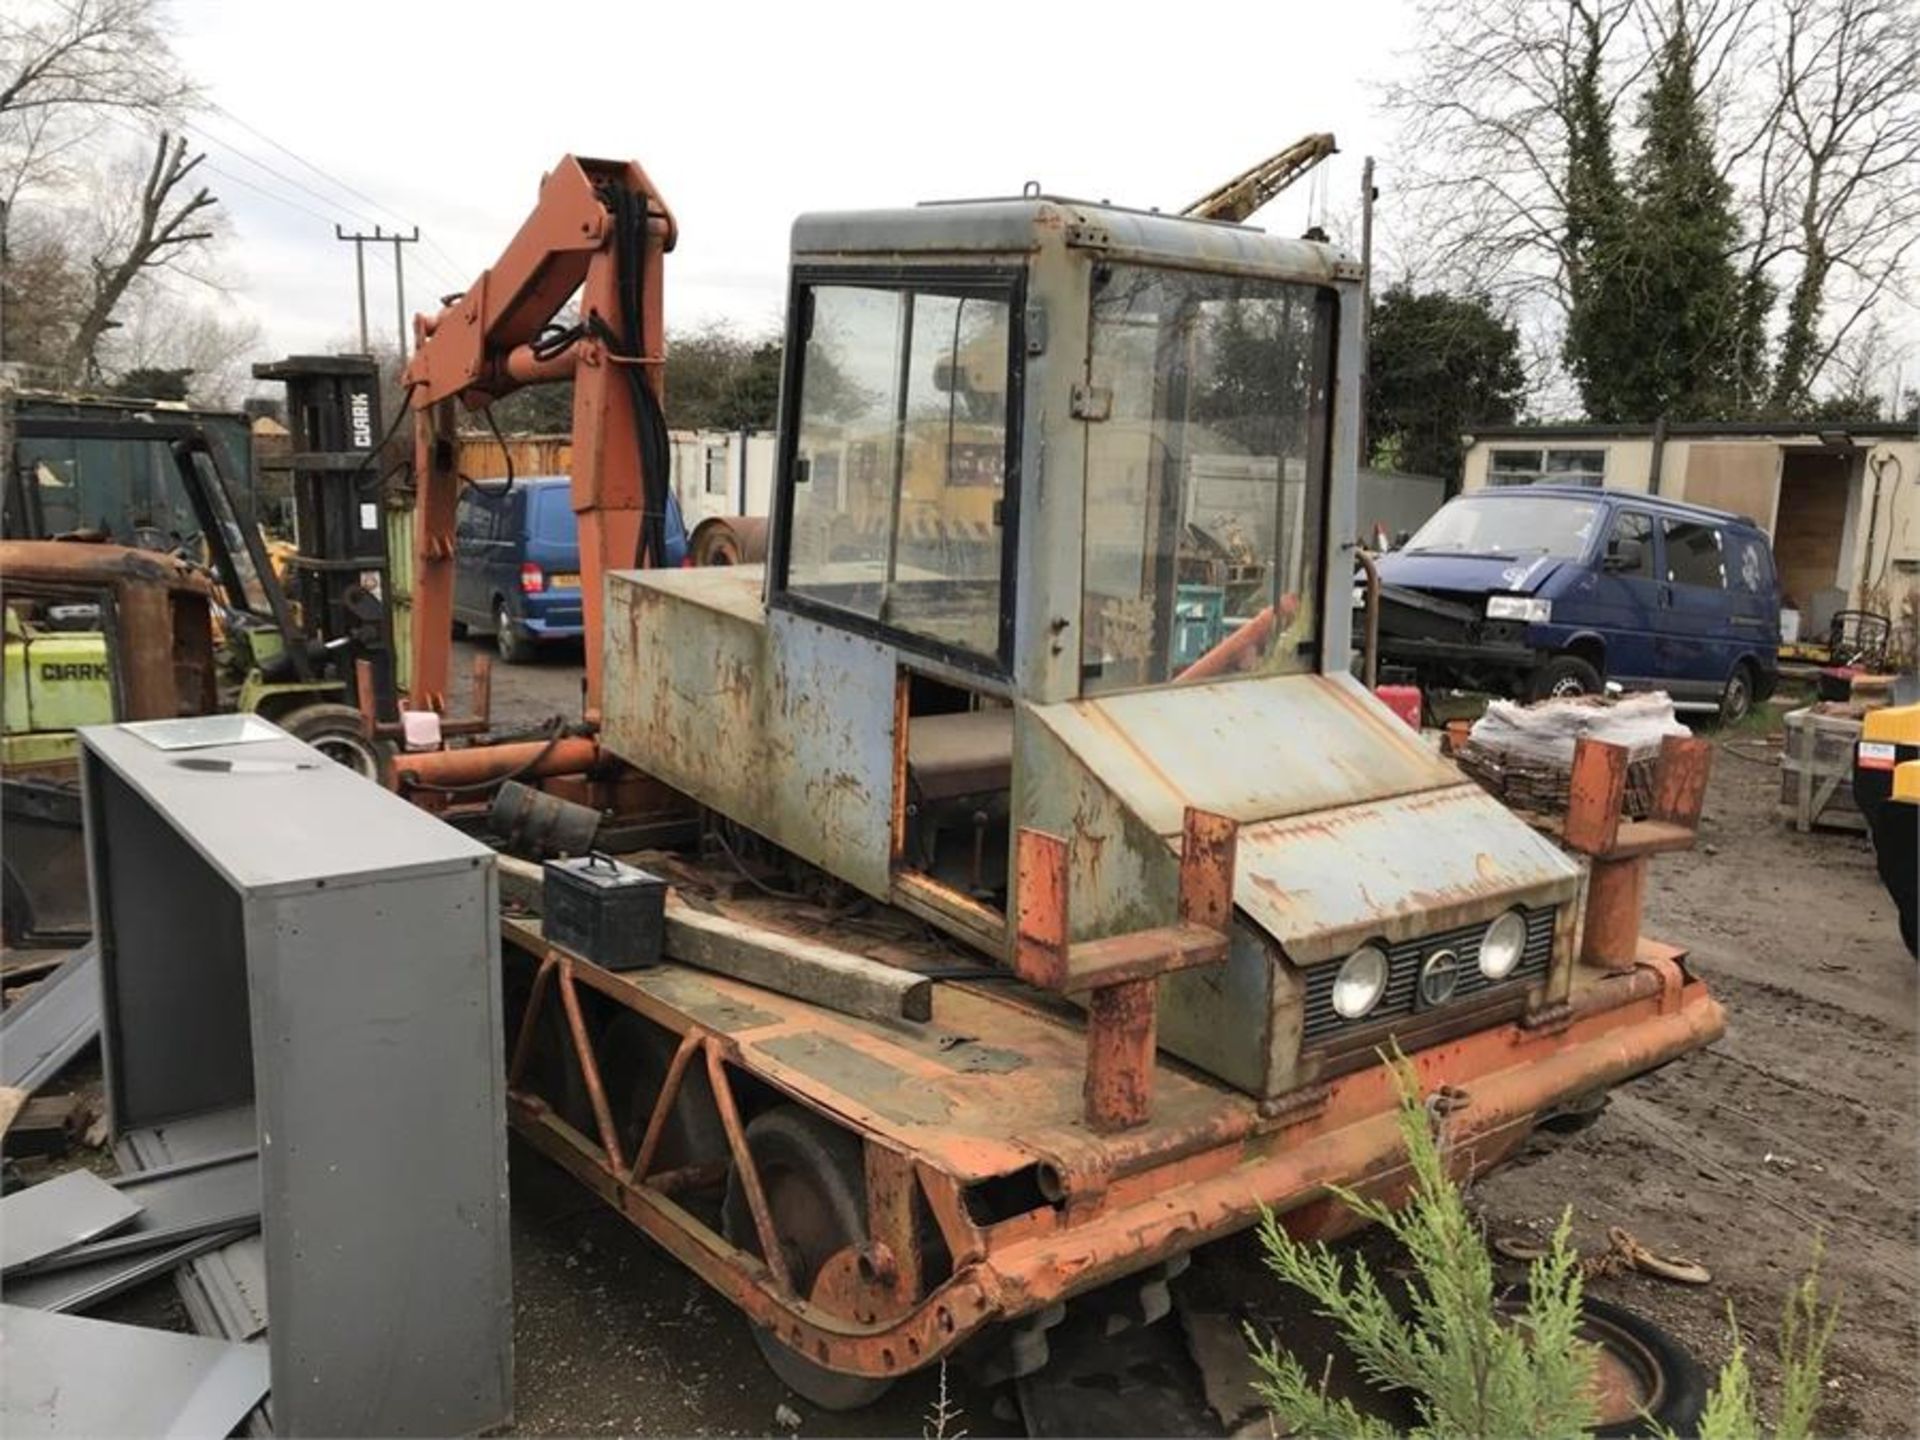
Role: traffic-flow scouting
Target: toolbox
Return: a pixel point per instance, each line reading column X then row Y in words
column 605, row 911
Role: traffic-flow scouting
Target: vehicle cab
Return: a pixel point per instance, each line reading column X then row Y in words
column 1556, row 590
column 1057, row 548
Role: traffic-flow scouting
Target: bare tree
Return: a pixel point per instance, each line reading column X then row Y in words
column 65, row 63
column 1817, row 108
column 158, row 230
column 1847, row 173
column 167, row 326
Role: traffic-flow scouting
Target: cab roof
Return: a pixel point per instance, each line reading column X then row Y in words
column 1025, row 224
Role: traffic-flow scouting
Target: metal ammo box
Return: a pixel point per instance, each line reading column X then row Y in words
column 610, row 913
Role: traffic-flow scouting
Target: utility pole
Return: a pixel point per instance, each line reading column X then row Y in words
column 399, row 280
column 1366, row 295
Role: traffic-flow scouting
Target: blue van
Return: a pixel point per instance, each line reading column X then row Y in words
column 516, row 573
column 1545, row 590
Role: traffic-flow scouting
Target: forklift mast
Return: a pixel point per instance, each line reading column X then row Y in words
column 340, row 574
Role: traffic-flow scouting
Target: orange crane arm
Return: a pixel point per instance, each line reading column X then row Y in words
column 1250, row 189
column 599, row 228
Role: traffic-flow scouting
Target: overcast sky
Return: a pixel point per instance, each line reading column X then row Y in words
column 446, row 116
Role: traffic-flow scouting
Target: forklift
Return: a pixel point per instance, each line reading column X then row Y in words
column 189, row 624
column 1019, row 949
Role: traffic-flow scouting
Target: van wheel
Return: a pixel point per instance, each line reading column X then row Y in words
column 1736, row 701
column 515, row 648
column 1562, row 676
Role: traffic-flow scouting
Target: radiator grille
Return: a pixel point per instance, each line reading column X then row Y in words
column 1403, row 974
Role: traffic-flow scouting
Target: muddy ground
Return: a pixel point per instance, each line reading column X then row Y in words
column 1801, row 1122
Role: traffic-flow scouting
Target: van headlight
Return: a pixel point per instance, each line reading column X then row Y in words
column 1361, row 981
column 1502, row 945
column 1519, row 607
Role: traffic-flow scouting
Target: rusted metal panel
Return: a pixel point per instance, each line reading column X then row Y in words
column 1250, row 750
column 1596, row 792
column 780, row 723
column 830, row 722
column 1324, row 883
column 1120, row 1055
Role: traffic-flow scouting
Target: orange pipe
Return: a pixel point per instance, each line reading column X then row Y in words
column 482, row 764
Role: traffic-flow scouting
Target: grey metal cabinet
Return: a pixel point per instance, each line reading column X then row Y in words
column 291, row 953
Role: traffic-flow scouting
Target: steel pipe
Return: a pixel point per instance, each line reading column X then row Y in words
column 479, row 765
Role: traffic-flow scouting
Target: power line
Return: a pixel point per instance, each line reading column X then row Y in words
column 275, row 196
column 280, row 175
column 332, row 179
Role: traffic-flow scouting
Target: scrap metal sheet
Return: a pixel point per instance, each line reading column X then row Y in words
column 66, row 1375
column 56, row 1020
column 81, row 1287
column 175, row 1206
column 59, row 1214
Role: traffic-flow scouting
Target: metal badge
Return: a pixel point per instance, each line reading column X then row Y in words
column 1438, row 975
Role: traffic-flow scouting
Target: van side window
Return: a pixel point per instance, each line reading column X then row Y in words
column 1694, row 555
column 1630, row 546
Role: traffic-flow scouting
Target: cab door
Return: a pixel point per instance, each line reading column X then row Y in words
column 1627, row 599
column 1698, row 644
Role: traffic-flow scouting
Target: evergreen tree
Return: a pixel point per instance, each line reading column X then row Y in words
column 1663, row 320
column 1437, row 366
column 1598, row 345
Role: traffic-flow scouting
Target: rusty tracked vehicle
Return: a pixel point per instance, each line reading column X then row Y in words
column 991, row 681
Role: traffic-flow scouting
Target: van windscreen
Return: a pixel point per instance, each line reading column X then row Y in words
column 1508, row 527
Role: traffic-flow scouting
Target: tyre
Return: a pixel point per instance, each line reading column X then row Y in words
column 634, row 1057
column 1736, row 701
column 334, row 730
column 1563, row 676
column 516, row 646
column 459, row 629
column 1647, row 1382
column 814, row 1179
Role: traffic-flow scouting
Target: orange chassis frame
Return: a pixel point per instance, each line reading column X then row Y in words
column 1198, row 1169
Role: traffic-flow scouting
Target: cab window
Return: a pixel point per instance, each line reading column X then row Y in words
column 1206, row 474
column 898, row 488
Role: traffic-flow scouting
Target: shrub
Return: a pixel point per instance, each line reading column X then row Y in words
column 1471, row 1368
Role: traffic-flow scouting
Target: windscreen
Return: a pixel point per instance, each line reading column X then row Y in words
column 1206, row 475
column 1508, row 528
column 898, row 495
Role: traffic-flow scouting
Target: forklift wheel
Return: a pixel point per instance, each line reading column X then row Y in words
column 334, row 730
column 815, row 1184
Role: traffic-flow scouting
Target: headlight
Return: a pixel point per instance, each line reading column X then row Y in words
column 1359, row 597
column 1519, row 607
column 1361, row 982
column 1501, row 946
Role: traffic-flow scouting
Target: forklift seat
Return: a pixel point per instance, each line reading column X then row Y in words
column 970, row 753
